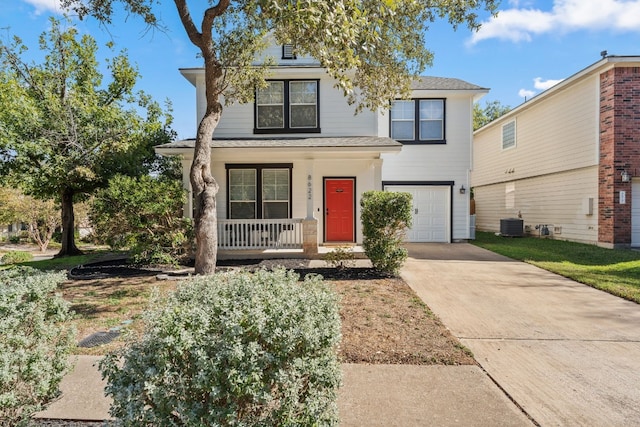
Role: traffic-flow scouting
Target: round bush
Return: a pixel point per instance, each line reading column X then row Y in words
column 235, row 349
column 34, row 342
column 16, row 257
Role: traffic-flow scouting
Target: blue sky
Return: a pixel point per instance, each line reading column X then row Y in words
column 528, row 47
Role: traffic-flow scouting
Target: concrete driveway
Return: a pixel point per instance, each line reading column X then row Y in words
column 566, row 353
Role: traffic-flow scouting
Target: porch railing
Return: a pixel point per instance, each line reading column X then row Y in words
column 260, row 233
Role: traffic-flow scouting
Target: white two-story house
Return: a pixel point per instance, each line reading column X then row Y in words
column 292, row 165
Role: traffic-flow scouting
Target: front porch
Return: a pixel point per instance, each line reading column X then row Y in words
column 273, row 238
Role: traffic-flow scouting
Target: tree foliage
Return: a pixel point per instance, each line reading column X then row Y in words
column 64, row 129
column 144, row 215
column 41, row 216
column 371, row 47
column 386, row 215
column 491, row 111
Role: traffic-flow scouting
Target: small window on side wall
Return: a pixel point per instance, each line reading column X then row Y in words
column 509, row 135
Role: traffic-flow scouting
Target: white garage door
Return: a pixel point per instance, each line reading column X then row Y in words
column 635, row 213
column 430, row 212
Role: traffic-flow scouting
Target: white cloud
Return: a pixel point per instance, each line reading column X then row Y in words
column 45, row 5
column 540, row 84
column 526, row 93
column 521, row 24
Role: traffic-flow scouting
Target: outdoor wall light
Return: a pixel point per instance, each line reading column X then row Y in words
column 626, row 176
column 462, row 189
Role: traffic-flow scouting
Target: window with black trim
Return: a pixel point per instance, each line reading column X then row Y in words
column 287, row 106
column 418, row 121
column 259, row 191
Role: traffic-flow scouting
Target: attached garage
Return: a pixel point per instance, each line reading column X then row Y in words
column 635, row 213
column 431, row 212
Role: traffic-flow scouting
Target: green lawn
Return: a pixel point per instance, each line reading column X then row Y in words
column 616, row 271
column 64, row 263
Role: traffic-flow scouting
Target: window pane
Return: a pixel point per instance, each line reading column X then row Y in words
column 275, row 184
column 432, row 109
column 431, row 129
column 273, row 210
column 303, row 116
column 242, row 210
column 242, row 184
column 272, row 94
column 302, row 92
column 402, row 130
column 270, row 116
column 402, row 110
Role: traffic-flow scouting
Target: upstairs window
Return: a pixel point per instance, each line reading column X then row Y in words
column 287, row 51
column 287, row 106
column 509, row 135
column 418, row 121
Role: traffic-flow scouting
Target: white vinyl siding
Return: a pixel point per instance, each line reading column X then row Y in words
column 557, row 134
column 558, row 200
column 509, row 135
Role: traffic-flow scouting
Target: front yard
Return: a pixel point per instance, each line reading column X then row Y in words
column 615, row 271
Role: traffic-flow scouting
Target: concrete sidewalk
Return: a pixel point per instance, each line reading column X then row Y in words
column 568, row 354
column 372, row 395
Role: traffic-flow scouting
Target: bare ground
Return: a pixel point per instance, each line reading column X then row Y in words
column 383, row 321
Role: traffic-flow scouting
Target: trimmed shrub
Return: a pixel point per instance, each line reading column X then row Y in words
column 16, row 257
column 34, row 344
column 340, row 257
column 385, row 217
column 234, row 349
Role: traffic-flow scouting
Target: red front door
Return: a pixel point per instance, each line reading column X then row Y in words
column 339, row 203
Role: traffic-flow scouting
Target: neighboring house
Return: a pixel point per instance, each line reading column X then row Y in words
column 566, row 161
column 292, row 165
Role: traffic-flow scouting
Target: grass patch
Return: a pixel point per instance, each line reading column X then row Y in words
column 616, row 271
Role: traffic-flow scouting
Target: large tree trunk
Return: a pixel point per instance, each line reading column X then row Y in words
column 68, row 226
column 205, row 188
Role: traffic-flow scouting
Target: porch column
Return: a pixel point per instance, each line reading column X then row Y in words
column 310, row 236
column 186, row 184
column 377, row 174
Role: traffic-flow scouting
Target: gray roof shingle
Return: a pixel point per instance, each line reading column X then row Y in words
column 443, row 83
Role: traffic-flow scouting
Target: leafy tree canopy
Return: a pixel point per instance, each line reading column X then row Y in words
column 64, row 130
column 491, row 111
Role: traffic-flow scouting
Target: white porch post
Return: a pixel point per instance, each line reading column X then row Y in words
column 186, row 184
column 310, row 223
column 377, row 174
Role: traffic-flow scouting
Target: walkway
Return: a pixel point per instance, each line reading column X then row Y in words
column 566, row 353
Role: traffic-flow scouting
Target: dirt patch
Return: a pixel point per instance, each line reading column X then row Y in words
column 383, row 321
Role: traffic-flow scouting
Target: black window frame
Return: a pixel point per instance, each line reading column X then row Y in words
column 259, row 167
column 287, row 129
column 285, row 54
column 416, row 123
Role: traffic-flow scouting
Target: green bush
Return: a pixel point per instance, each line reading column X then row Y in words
column 340, row 257
column 234, row 349
column 16, row 257
column 144, row 215
column 34, row 344
column 385, row 217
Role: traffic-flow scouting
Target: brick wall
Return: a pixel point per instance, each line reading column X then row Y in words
column 619, row 150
